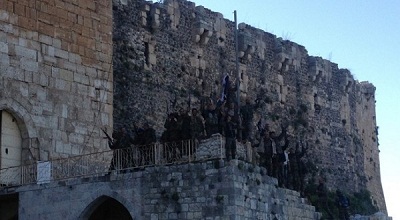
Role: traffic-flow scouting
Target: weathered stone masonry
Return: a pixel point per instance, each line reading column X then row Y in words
column 56, row 79
column 208, row 190
column 56, row 74
column 172, row 53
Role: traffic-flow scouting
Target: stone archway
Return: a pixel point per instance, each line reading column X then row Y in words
column 28, row 132
column 10, row 141
column 106, row 208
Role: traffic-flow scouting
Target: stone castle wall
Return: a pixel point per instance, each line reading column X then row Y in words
column 175, row 54
column 56, row 74
column 206, row 190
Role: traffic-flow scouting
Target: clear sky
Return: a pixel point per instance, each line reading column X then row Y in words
column 362, row 36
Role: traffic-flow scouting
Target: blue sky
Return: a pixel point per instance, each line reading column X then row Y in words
column 362, row 36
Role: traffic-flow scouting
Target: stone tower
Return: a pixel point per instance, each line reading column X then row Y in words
column 56, row 81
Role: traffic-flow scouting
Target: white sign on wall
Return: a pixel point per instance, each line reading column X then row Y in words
column 43, row 172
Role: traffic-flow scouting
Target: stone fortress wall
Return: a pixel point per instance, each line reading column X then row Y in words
column 56, row 74
column 56, row 79
column 174, row 54
column 204, row 190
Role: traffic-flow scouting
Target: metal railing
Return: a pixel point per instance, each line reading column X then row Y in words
column 102, row 163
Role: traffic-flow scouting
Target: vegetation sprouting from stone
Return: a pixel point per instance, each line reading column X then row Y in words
column 360, row 202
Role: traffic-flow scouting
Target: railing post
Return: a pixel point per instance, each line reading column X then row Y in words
column 157, row 153
column 156, row 150
column 220, row 148
column 23, row 177
column 190, row 150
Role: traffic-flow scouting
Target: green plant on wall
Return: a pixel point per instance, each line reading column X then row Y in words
column 360, row 203
column 202, row 177
column 175, row 196
column 250, row 169
column 268, row 100
column 274, row 117
column 164, row 194
column 303, row 108
column 292, row 111
column 300, row 121
column 219, row 199
column 240, row 165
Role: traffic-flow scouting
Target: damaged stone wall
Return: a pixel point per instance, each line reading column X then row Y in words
column 174, row 54
column 56, row 74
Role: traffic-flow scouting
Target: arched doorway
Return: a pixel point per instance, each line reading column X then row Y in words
column 10, row 141
column 10, row 147
column 107, row 208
